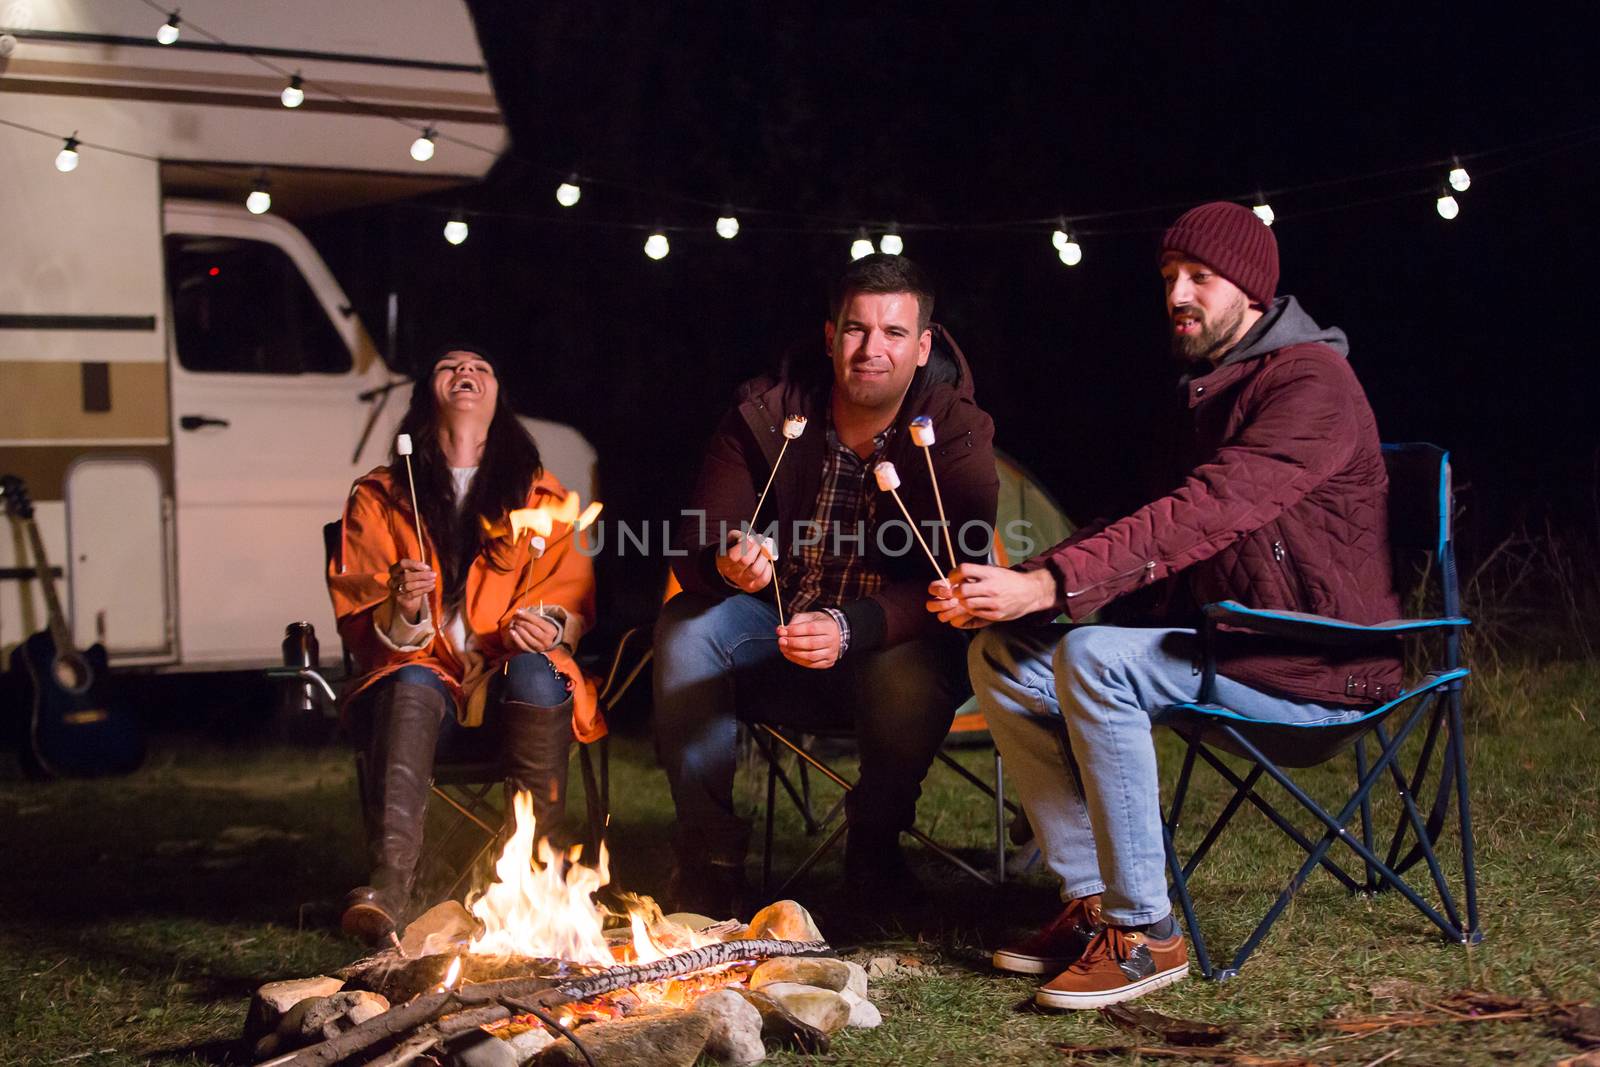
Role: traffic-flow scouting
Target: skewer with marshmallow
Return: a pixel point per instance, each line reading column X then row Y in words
column 793, row 427
column 402, row 447
column 539, row 522
column 889, row 482
column 922, row 435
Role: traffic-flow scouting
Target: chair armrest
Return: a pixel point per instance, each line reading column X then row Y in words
column 1319, row 629
column 305, row 674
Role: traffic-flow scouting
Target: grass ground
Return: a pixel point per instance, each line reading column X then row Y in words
column 137, row 915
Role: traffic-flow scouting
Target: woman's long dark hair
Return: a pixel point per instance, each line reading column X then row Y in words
column 509, row 465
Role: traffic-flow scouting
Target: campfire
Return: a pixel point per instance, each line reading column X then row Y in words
column 535, row 969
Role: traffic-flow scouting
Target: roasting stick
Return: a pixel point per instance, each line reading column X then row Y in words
column 922, row 435
column 541, row 523
column 889, row 482
column 769, row 548
column 402, row 446
column 793, row 427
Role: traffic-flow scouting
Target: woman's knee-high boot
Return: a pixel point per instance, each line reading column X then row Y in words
column 400, row 752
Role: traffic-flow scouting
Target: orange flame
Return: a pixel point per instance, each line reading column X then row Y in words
column 543, row 906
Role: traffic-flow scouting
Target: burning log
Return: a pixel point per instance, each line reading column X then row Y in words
column 482, row 1002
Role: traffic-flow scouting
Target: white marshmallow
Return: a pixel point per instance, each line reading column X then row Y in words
column 769, row 548
column 402, row 444
column 922, row 431
column 888, row 477
column 794, row 426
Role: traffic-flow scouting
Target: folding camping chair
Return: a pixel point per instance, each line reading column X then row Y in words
column 1419, row 519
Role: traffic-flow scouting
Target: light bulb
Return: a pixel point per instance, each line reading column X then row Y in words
column 567, row 192
column 259, row 202
column 168, row 31
column 727, row 227
column 293, row 94
column 1459, row 179
column 1264, row 212
column 1071, row 252
column 656, row 246
column 890, row 244
column 1059, row 239
column 67, row 158
column 422, row 147
column 455, row 231
column 861, row 246
column 1447, row 207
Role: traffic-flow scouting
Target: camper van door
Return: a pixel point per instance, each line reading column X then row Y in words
column 267, row 365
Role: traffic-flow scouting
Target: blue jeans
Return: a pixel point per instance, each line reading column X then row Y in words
column 1069, row 710
column 526, row 679
column 717, row 661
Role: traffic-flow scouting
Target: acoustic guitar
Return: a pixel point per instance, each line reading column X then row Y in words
column 74, row 723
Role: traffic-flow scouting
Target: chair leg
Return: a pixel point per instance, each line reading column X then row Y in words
column 1440, row 885
column 591, row 799
column 1366, row 812
column 772, row 804
column 999, row 819
column 811, row 860
column 1335, row 831
column 1180, row 886
column 1469, row 867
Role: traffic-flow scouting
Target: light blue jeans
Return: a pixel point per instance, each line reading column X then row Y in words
column 1069, row 709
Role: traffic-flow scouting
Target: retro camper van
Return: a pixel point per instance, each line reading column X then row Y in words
column 184, row 387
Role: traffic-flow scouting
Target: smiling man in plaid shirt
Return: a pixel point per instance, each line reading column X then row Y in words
column 857, row 651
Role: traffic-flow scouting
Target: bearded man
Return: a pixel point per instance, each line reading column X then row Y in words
column 1288, row 511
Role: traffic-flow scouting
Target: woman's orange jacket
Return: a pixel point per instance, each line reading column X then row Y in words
column 377, row 531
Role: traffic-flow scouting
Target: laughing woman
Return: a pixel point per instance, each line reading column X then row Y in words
column 472, row 648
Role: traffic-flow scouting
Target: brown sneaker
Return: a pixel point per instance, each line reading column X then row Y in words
column 1118, row 965
column 1058, row 945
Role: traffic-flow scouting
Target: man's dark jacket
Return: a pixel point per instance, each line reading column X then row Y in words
column 1289, row 512
column 746, row 445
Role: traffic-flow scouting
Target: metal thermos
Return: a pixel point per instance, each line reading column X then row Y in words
column 300, row 650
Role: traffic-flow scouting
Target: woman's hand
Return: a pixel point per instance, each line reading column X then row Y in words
column 529, row 631
column 410, row 584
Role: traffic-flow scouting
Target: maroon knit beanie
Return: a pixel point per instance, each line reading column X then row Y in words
column 1229, row 239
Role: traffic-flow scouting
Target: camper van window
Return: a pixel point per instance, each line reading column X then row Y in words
column 241, row 306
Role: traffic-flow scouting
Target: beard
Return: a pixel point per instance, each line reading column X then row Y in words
column 1212, row 339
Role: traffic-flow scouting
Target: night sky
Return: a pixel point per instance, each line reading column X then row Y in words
column 1475, row 333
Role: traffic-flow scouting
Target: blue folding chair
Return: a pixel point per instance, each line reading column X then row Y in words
column 1419, row 521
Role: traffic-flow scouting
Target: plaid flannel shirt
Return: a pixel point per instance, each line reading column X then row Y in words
column 832, row 567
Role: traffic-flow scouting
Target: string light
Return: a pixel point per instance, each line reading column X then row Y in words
column 1060, row 237
column 890, row 243
column 455, row 231
column 656, row 246
column 168, row 31
column 567, row 192
column 1446, row 205
column 861, row 246
column 1459, row 179
column 1263, row 210
column 259, row 202
column 727, row 226
column 1067, row 247
column 67, row 158
column 422, row 147
column 294, row 94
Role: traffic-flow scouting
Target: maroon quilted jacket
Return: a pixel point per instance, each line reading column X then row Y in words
column 1288, row 512
column 746, row 445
